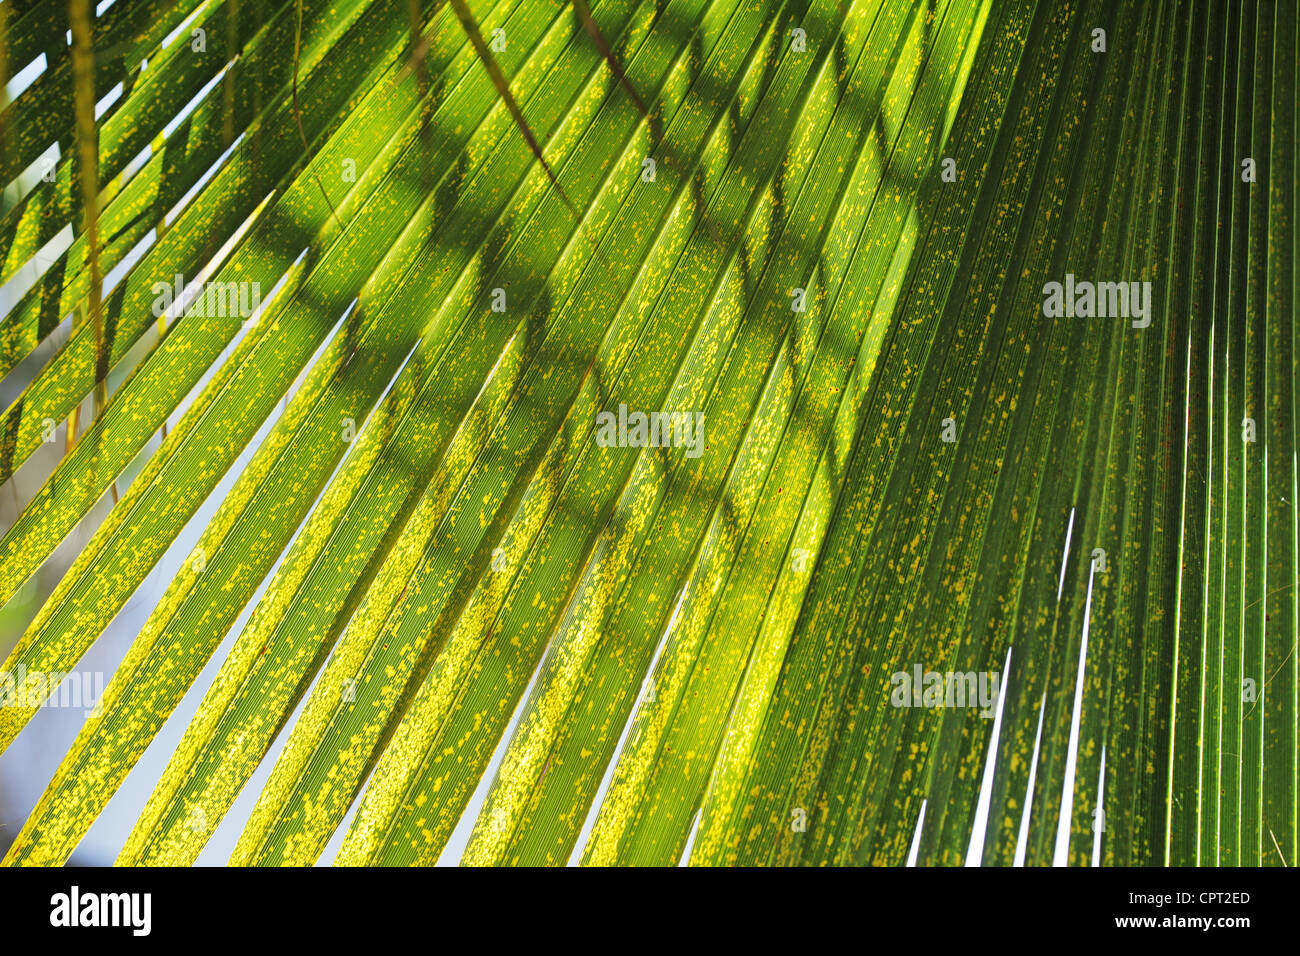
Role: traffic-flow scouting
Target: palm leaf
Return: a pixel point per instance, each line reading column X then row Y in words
column 421, row 605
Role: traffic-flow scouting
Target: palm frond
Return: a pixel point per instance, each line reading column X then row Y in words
column 637, row 409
